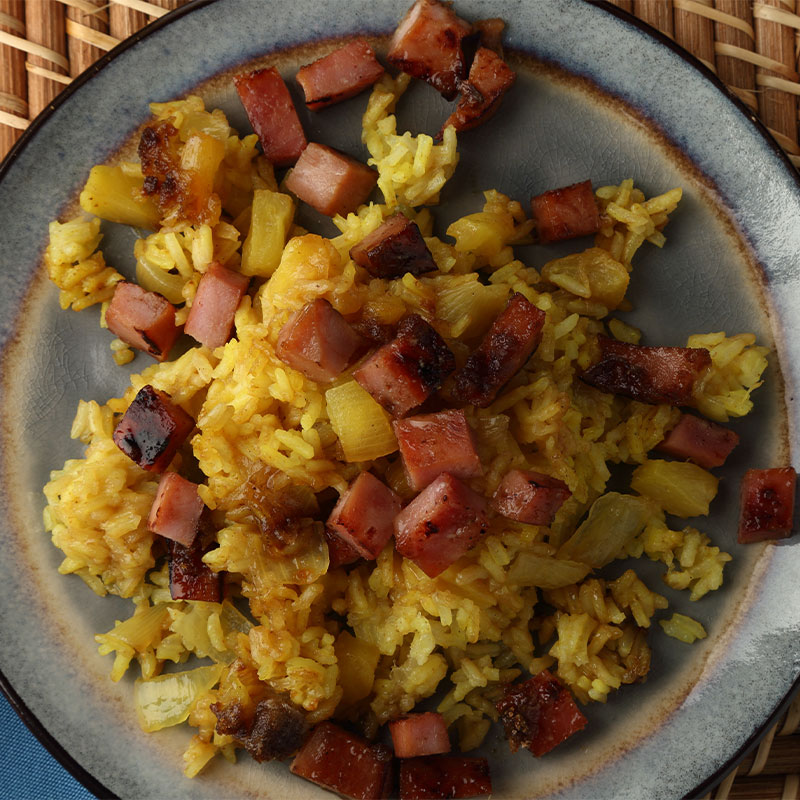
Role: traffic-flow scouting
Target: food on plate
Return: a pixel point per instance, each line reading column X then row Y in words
column 767, row 504
column 373, row 488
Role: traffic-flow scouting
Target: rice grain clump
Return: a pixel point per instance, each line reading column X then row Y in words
column 369, row 640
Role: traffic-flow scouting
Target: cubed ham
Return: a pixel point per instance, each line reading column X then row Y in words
column 344, row 73
column 176, row 510
column 404, row 373
column 318, row 341
column 648, row 374
column 506, row 348
column 144, row 320
column 440, row 524
column 189, row 577
column 444, row 777
column 489, row 80
column 490, row 33
column 152, row 429
column 340, row 553
column 393, row 249
column 330, row 181
column 700, row 440
column 272, row 114
column 364, row 516
column 767, row 504
column 345, row 763
column 539, row 714
column 431, row 444
column 419, row 735
column 530, row 497
column 429, row 44
column 218, row 295
column 565, row 213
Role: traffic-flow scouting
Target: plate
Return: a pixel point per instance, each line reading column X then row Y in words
column 598, row 96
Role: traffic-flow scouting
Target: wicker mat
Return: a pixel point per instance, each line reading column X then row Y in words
column 752, row 45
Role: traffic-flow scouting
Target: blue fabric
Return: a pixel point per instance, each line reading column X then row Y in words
column 27, row 770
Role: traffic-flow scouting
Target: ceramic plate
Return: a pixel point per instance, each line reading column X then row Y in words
column 597, row 97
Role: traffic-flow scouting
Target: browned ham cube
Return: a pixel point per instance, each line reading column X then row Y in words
column 648, row 374
column 152, row 429
column 341, row 74
column 364, row 516
column 506, row 348
column 440, row 524
column 565, row 213
column 176, row 510
column 330, row 181
column 189, row 577
column 700, row 440
column 272, row 114
column 444, row 777
column 405, row 372
column 144, row 320
column 419, row 735
column 431, row 444
column 530, row 497
column 767, row 504
column 345, row 763
column 339, row 552
column 429, row 44
column 218, row 295
column 394, row 248
column 318, row 341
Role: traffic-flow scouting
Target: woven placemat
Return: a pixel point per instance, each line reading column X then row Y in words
column 753, row 46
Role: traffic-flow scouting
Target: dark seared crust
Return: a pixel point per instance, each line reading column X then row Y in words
column 393, row 249
column 423, row 353
column 189, row 577
column 158, row 152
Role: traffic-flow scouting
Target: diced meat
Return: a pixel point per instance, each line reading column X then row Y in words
column 565, row 213
column 341, row 74
column 144, row 320
column 330, row 181
column 700, row 440
column 419, row 735
column 440, row 524
column 647, row 374
column 364, row 516
column 339, row 552
column 152, row 429
column 404, row 373
column 275, row 731
column 272, row 114
column 442, row 777
column 431, row 444
column 429, row 44
column 530, row 497
column 539, row 714
column 767, row 504
column 506, row 348
column 345, row 763
column 489, row 79
column 490, row 33
column 393, row 249
column 318, row 341
column 218, row 295
column 176, row 510
column 189, row 577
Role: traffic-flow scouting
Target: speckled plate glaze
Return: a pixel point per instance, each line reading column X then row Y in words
column 598, row 97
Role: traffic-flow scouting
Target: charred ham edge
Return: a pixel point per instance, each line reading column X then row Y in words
column 429, row 44
column 530, row 497
column 394, row 248
column 342, row 74
column 441, row 524
column 490, row 33
column 345, row 763
column 175, row 513
column 272, row 114
column 481, row 94
column 539, row 714
column 318, row 341
column 329, row 181
column 565, row 213
column 340, row 554
column 431, row 444
column 152, row 429
column 401, row 375
column 647, row 374
column 144, row 320
column 273, row 732
column 189, row 577
column 767, row 504
column 218, row 295
column 419, row 735
column 364, row 516
column 700, row 440
column 443, row 777
column 506, row 348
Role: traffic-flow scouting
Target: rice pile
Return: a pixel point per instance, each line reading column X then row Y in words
column 369, row 643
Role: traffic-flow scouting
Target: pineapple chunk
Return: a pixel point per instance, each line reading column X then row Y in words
column 363, row 427
column 593, row 275
column 272, row 216
column 112, row 194
column 680, row 488
column 357, row 661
